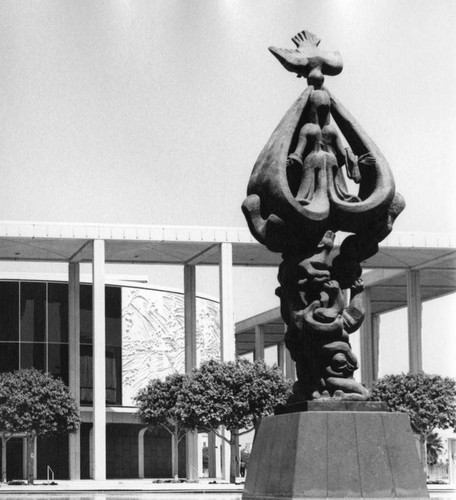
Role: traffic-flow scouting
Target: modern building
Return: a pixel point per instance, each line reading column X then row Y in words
column 144, row 340
column 107, row 337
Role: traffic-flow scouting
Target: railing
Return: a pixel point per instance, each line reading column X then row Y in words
column 49, row 473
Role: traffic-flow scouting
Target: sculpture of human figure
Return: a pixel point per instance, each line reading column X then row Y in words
column 297, row 185
column 319, row 148
column 297, row 199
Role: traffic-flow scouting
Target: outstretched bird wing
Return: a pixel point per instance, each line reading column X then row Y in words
column 291, row 60
column 307, row 55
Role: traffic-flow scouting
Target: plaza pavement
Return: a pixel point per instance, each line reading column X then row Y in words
column 206, row 487
column 203, row 486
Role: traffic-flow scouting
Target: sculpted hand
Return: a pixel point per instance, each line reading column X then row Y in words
column 294, row 160
column 366, row 160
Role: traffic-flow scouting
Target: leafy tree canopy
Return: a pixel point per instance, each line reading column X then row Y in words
column 158, row 403
column 429, row 400
column 36, row 403
column 234, row 394
column 434, row 446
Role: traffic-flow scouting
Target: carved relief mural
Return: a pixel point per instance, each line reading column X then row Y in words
column 153, row 336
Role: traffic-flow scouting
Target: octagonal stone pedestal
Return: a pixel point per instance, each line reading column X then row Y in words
column 335, row 455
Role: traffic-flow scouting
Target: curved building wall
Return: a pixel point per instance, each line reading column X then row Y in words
column 153, row 336
column 145, row 339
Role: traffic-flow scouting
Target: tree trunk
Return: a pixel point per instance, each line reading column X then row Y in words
column 4, row 441
column 175, row 456
column 31, row 458
column 234, row 463
column 421, row 443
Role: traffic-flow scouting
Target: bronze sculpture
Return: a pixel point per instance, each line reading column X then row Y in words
column 297, row 199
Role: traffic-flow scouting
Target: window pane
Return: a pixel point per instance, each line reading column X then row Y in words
column 113, row 316
column 85, row 296
column 33, row 355
column 86, row 381
column 33, row 316
column 9, row 356
column 57, row 312
column 9, row 311
column 58, row 361
column 113, row 376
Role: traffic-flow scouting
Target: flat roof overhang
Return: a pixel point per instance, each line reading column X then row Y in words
column 386, row 296
column 433, row 254
column 65, row 242
column 388, row 292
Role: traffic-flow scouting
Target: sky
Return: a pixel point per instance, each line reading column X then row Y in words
column 153, row 112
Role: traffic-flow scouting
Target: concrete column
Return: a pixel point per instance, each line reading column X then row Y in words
column 452, row 460
column 212, row 454
column 414, row 311
column 281, row 357
column 219, row 453
column 375, row 345
column 199, row 465
column 226, row 454
column 192, row 455
column 173, row 454
column 190, row 317
column 367, row 347
column 190, row 361
column 24, row 457
column 259, row 343
column 227, row 344
column 141, row 452
column 74, row 443
column 290, row 367
column 99, row 361
column 226, row 303
column 91, row 465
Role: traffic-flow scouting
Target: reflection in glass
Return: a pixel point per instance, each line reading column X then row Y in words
column 9, row 356
column 34, row 333
column 57, row 312
column 58, row 361
column 113, row 316
column 9, row 311
column 33, row 314
column 85, row 297
column 86, row 374
column 113, row 375
column 33, row 355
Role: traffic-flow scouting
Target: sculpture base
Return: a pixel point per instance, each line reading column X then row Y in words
column 337, row 455
column 332, row 404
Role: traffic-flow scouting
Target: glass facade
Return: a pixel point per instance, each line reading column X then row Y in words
column 34, row 333
column 113, row 318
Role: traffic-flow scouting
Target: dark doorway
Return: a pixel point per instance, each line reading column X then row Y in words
column 14, row 459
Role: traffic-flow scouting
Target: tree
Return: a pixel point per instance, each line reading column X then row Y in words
column 233, row 394
column 434, row 447
column 34, row 403
column 158, row 407
column 429, row 401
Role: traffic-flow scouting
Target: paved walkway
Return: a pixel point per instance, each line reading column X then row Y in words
column 444, row 491
column 208, row 487
column 203, row 486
